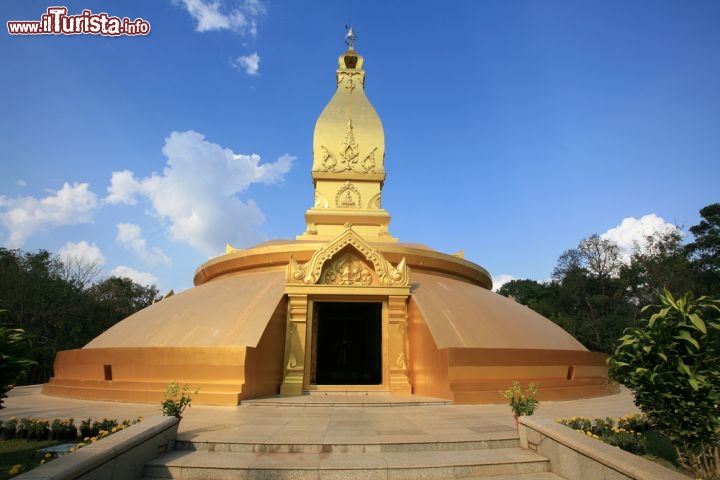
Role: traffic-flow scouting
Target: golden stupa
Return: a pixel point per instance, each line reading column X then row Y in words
column 343, row 307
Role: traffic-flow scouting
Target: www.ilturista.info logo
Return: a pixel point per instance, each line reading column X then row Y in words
column 57, row 22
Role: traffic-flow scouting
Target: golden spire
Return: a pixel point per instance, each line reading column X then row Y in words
column 348, row 158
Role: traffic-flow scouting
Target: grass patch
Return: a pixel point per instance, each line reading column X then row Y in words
column 21, row 451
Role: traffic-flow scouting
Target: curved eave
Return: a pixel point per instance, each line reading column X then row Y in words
column 277, row 254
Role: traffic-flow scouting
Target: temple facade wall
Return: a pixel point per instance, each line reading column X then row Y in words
column 142, row 374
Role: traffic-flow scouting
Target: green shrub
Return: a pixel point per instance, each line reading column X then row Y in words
column 577, row 423
column 633, row 442
column 13, row 364
column 604, row 429
column 634, row 423
column 672, row 365
column 9, row 428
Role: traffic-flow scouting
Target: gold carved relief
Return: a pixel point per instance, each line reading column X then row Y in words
column 311, row 272
column 347, row 270
column 348, row 156
column 348, row 80
column 348, row 196
column 351, row 80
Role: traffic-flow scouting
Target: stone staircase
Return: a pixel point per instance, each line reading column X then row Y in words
column 497, row 455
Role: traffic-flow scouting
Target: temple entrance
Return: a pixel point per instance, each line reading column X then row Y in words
column 348, row 337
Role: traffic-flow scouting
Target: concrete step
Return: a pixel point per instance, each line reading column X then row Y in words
column 521, row 476
column 447, row 464
column 516, row 476
column 486, row 440
column 345, row 399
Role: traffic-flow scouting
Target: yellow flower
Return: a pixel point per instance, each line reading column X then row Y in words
column 48, row 455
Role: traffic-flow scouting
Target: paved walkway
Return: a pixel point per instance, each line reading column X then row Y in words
column 327, row 419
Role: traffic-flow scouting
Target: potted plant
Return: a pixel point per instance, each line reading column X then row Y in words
column 177, row 399
column 521, row 404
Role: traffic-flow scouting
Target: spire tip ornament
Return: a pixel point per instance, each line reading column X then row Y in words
column 350, row 37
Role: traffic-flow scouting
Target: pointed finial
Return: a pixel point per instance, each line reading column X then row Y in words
column 350, row 37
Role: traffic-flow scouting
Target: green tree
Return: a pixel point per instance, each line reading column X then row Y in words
column 535, row 295
column 590, row 300
column 660, row 263
column 704, row 250
column 50, row 309
column 58, row 307
column 672, row 364
column 596, row 292
column 13, row 357
column 114, row 299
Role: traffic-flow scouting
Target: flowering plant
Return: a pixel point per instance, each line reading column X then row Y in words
column 177, row 399
column 519, row 403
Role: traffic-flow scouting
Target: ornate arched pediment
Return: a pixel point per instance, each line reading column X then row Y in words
column 348, row 269
column 348, row 260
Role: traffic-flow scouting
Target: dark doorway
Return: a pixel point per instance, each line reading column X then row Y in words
column 348, row 343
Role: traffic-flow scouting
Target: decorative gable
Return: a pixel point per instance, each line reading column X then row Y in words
column 348, row 260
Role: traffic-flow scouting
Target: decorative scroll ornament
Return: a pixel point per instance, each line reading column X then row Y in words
column 349, row 156
column 350, row 80
column 350, row 259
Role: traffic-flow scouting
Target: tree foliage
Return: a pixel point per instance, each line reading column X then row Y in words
column 672, row 364
column 60, row 308
column 13, row 357
column 595, row 292
column 705, row 249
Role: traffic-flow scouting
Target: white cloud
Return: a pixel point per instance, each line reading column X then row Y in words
column 123, row 188
column 81, row 252
column 21, row 183
column 196, row 194
column 23, row 216
column 83, row 262
column 142, row 278
column 501, row 280
column 249, row 63
column 633, row 231
column 130, row 237
column 216, row 15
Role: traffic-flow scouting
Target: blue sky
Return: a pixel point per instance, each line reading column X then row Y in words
column 513, row 129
